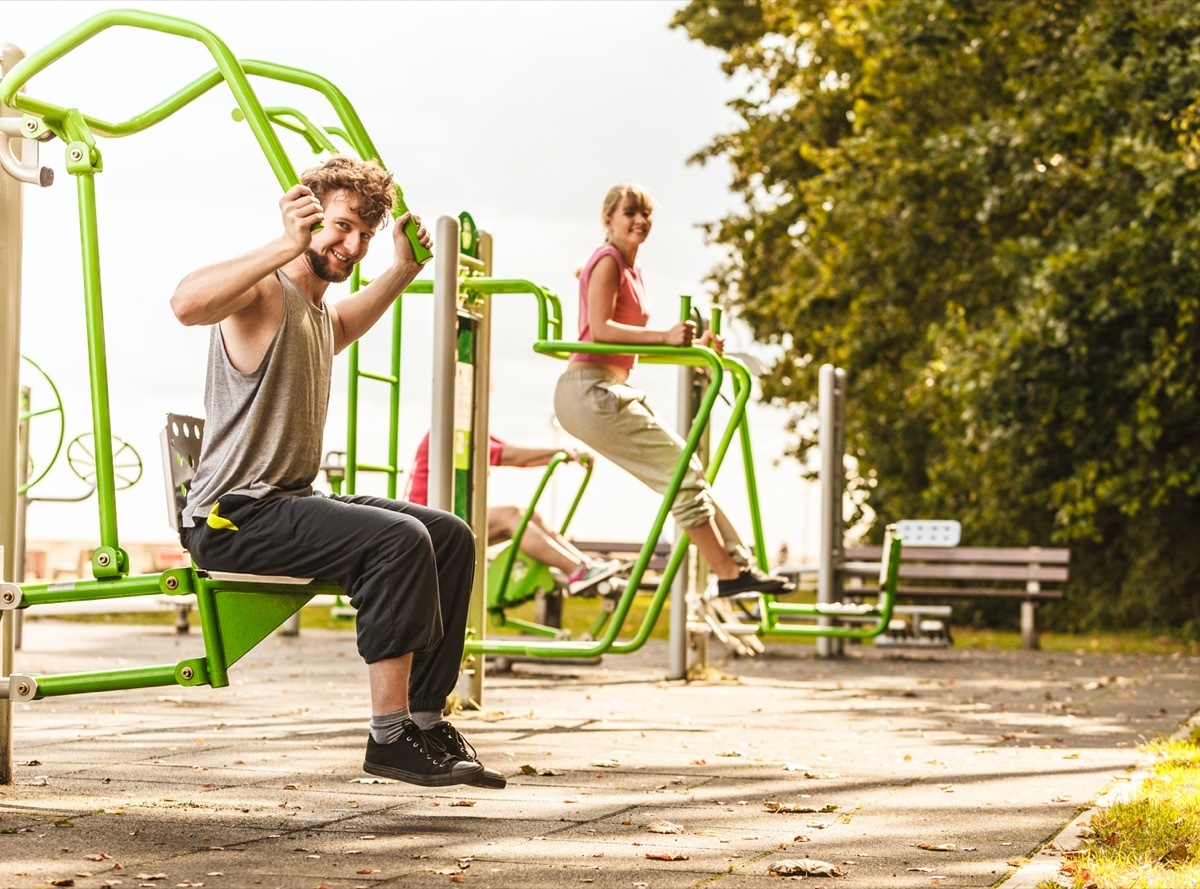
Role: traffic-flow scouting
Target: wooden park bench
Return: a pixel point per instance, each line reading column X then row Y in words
column 1030, row 574
column 623, row 549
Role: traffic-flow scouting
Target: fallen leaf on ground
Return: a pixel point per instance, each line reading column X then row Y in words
column 667, row 856
column 804, row 867
column 541, row 773
column 664, row 827
column 797, row 809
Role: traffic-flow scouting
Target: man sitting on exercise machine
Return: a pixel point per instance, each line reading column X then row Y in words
column 252, row 508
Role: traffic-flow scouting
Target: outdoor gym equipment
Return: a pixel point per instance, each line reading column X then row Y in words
column 236, row 612
column 515, row 577
column 709, row 614
column 127, row 467
column 716, row 366
column 28, row 414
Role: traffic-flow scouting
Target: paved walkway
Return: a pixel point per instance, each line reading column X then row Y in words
column 932, row 768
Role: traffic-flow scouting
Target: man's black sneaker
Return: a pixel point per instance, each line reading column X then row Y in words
column 414, row 760
column 752, row 580
column 446, row 736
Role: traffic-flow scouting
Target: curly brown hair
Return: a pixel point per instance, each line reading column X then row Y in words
column 368, row 182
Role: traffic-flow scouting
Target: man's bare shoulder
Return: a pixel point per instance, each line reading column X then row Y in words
column 248, row 332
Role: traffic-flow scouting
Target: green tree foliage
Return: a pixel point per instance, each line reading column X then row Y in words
column 986, row 211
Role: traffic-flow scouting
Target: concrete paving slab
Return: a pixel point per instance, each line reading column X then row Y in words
column 902, row 769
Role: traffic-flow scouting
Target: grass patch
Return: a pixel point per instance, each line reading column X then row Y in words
column 1125, row 642
column 1151, row 841
column 580, row 614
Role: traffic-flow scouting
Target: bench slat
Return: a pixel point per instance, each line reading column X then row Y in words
column 962, row 592
column 999, row 554
column 929, row 571
column 978, row 592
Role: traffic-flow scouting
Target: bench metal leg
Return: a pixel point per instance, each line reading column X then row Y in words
column 1029, row 633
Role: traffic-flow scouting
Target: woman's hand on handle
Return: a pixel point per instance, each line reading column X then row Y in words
column 713, row 341
column 681, row 334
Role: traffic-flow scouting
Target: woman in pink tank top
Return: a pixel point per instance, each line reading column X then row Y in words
column 594, row 403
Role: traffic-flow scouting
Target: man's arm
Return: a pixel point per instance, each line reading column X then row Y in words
column 213, row 293
column 602, row 305
column 356, row 314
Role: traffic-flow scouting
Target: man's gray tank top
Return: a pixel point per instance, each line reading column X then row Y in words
column 263, row 430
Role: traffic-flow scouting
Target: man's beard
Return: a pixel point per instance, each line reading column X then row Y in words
column 320, row 267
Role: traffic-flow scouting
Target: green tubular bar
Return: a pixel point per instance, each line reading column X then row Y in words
column 83, row 162
column 737, row 421
column 228, row 69
column 27, row 414
column 498, row 593
column 106, row 680
column 115, row 588
column 391, row 379
column 549, row 307
column 299, row 123
column 352, row 128
column 693, row 356
column 235, row 615
column 880, row 613
column 773, row 609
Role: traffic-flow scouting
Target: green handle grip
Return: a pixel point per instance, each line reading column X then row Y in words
column 420, row 253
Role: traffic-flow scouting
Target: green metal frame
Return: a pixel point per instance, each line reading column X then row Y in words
column 776, row 614
column 791, row 618
column 237, row 614
column 608, row 642
column 27, row 414
column 354, row 134
column 778, row 618
column 513, row 577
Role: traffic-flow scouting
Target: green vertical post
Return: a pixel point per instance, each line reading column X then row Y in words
column 352, row 406
column 463, row 438
column 393, row 486
column 97, row 353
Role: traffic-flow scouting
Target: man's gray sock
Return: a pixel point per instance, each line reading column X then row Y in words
column 386, row 728
column 427, row 719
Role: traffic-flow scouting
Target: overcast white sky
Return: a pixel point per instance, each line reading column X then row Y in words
column 522, row 113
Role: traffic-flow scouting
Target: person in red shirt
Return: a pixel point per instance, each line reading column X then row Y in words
column 540, row 541
column 595, row 403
